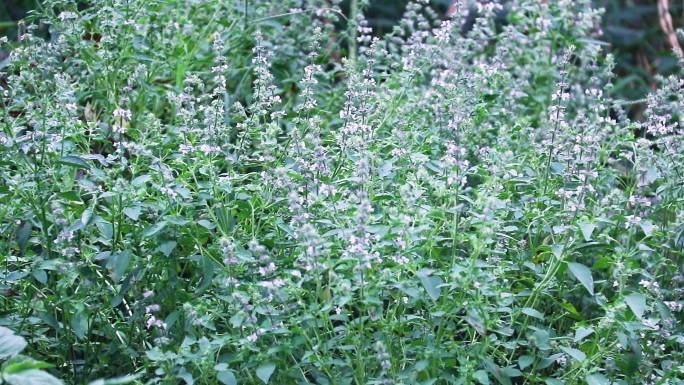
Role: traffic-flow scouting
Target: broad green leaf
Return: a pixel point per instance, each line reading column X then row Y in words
column 583, row 274
column 525, row 361
column 430, row 283
column 86, row 216
column 637, row 303
column 553, row 381
column 557, row 250
column 226, row 377
column 533, row 313
column 154, row 229
column 118, row 263
column 587, row 230
column 597, row 379
column 167, row 247
column 74, row 161
column 116, row 381
column 10, row 344
column 21, row 364
column 133, row 212
column 31, row 377
column 79, row 324
column 481, row 377
column 186, row 376
column 648, row 227
column 265, row 371
column 575, row 353
column 582, row 333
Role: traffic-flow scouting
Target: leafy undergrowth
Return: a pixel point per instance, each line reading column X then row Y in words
column 209, row 192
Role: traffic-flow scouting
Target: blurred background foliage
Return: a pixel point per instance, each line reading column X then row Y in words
column 631, row 27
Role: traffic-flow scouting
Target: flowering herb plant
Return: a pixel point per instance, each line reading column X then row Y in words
column 252, row 192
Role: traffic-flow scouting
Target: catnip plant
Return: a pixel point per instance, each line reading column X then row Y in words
column 254, row 192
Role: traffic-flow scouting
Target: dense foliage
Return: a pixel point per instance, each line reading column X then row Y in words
column 248, row 192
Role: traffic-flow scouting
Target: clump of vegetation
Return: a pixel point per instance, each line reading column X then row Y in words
column 248, row 192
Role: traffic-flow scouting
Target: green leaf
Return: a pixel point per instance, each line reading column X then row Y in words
column 533, row 313
column 481, row 377
column 575, row 353
column 23, row 235
column 587, row 230
column 154, row 229
column 431, row 284
column 597, row 379
column 648, row 227
column 582, row 333
column 141, row 180
column 227, row 377
column 265, row 371
column 525, row 361
column 79, row 323
column 118, row 263
column 10, row 344
column 31, row 377
column 553, row 381
column 133, row 212
column 167, row 247
column 583, row 274
column 115, row 381
column 637, row 303
column 24, row 364
column 74, row 161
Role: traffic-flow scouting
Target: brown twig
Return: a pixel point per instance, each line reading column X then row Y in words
column 667, row 27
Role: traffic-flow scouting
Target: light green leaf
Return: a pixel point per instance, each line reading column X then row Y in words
column 525, row 361
column 553, row 381
column 154, row 229
column 637, row 303
column 31, row 377
column 587, row 230
column 430, row 283
column 74, row 161
column 648, row 227
column 597, row 379
column 265, row 371
column 575, row 353
column 533, row 313
column 481, row 377
column 133, row 212
column 583, row 274
column 582, row 333
column 116, row 381
column 10, row 344
column 227, row 377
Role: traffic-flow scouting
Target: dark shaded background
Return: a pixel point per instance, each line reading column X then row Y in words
column 630, row 26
